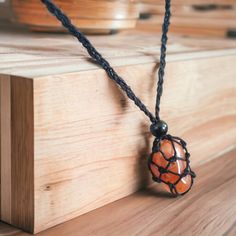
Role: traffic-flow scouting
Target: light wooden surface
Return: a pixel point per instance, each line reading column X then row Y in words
column 25, row 54
column 83, row 146
column 22, row 155
column 17, row 165
column 210, row 209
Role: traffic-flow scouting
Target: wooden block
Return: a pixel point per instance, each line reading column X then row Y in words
column 76, row 143
column 202, row 212
column 17, row 144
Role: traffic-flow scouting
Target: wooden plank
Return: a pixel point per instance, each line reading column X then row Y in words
column 5, row 148
column 63, row 136
column 18, row 168
column 79, row 126
column 204, row 211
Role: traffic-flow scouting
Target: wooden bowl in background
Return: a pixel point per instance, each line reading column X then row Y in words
column 88, row 15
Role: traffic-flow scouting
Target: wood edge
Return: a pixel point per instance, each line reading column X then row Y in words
column 22, row 157
column 199, row 55
column 5, row 179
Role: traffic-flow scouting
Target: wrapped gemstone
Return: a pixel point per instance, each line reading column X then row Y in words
column 169, row 165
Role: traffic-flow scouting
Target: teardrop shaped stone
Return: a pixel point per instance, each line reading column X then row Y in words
column 173, row 169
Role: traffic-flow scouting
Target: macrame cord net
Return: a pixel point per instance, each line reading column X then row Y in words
column 160, row 172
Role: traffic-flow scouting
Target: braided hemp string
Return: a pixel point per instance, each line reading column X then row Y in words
column 105, row 64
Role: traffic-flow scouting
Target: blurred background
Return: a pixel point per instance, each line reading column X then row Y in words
column 198, row 18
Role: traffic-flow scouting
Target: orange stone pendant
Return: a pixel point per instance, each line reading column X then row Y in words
column 169, row 165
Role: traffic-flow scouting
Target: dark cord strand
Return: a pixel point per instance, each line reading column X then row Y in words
column 65, row 21
column 161, row 73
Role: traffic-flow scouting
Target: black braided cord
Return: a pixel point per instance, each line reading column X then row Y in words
column 161, row 72
column 107, row 67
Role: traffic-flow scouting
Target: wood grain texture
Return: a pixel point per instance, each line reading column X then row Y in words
column 17, row 164
column 208, row 210
column 22, row 158
column 59, row 131
column 87, row 139
column 61, row 54
column 86, row 14
column 5, row 94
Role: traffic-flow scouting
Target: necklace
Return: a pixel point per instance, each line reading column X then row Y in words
column 169, row 161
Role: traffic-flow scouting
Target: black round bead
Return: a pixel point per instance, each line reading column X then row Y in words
column 159, row 128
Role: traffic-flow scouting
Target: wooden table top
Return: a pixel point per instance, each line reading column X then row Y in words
column 208, row 210
column 33, row 55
